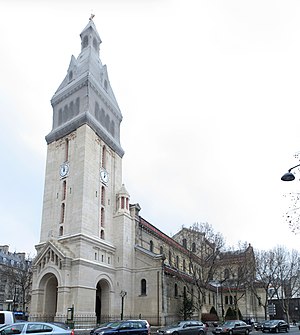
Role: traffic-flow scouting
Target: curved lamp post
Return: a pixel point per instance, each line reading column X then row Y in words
column 289, row 176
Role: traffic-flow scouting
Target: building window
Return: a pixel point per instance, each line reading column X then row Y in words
column 226, row 273
column 64, row 190
column 85, row 41
column 176, row 290
column 102, row 195
column 193, row 247
column 151, row 246
column 61, row 231
column 66, row 150
column 226, row 300
column 177, row 262
column 183, row 265
column 184, row 242
column 161, row 250
column 143, row 287
column 102, row 218
column 104, row 157
column 170, row 258
column 62, row 213
column 102, row 234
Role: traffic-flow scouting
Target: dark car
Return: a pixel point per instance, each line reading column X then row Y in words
column 275, row 326
column 231, row 327
column 36, row 328
column 190, row 327
column 112, row 324
column 134, row 327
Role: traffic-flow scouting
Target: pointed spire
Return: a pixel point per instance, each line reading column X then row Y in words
column 72, row 106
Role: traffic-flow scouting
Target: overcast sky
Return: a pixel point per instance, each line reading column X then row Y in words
column 209, row 92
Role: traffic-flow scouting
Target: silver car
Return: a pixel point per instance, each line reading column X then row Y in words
column 41, row 328
column 189, row 327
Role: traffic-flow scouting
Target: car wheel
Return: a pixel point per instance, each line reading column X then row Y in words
column 230, row 332
column 286, row 330
column 201, row 332
column 247, row 332
column 175, row 333
column 263, row 331
column 276, row 330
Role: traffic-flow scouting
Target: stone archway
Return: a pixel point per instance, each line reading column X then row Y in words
column 49, row 285
column 102, row 308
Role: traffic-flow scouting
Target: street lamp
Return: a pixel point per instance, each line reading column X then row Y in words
column 122, row 294
column 289, row 176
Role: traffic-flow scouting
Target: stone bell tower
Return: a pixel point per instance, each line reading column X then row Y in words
column 84, row 252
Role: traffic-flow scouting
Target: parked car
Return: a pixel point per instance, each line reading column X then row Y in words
column 7, row 317
column 36, row 328
column 112, row 324
column 258, row 324
column 135, row 327
column 275, row 326
column 231, row 327
column 189, row 327
column 61, row 324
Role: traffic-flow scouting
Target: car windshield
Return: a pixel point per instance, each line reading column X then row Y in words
column 228, row 323
column 113, row 324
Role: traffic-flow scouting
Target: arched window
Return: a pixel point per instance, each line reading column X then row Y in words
column 226, row 274
column 85, row 41
column 193, row 247
column 104, row 157
column 151, row 245
column 143, row 287
column 61, row 230
column 170, row 257
column 176, row 290
column 95, row 43
column 184, row 242
column 226, row 300
column 177, row 262
column 64, row 190
column 183, row 265
column 102, row 234
column 161, row 250
column 67, row 149
column 231, row 300
column 62, row 213
column 102, row 195
column 102, row 217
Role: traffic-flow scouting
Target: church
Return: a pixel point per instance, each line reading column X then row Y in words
column 97, row 256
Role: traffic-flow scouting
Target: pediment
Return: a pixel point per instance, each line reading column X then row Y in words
column 53, row 255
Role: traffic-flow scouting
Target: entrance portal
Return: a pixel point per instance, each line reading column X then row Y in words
column 102, row 308
column 49, row 282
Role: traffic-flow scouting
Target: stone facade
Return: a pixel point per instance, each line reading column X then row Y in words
column 96, row 253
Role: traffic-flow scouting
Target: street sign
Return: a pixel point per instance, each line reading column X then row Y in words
column 271, row 309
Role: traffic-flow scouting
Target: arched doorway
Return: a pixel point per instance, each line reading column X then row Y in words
column 49, row 283
column 102, row 307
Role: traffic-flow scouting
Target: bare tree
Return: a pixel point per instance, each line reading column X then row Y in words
column 285, row 282
column 204, row 246
column 266, row 269
column 18, row 284
column 239, row 271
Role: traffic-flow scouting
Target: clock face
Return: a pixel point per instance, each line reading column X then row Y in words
column 64, row 170
column 104, row 176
